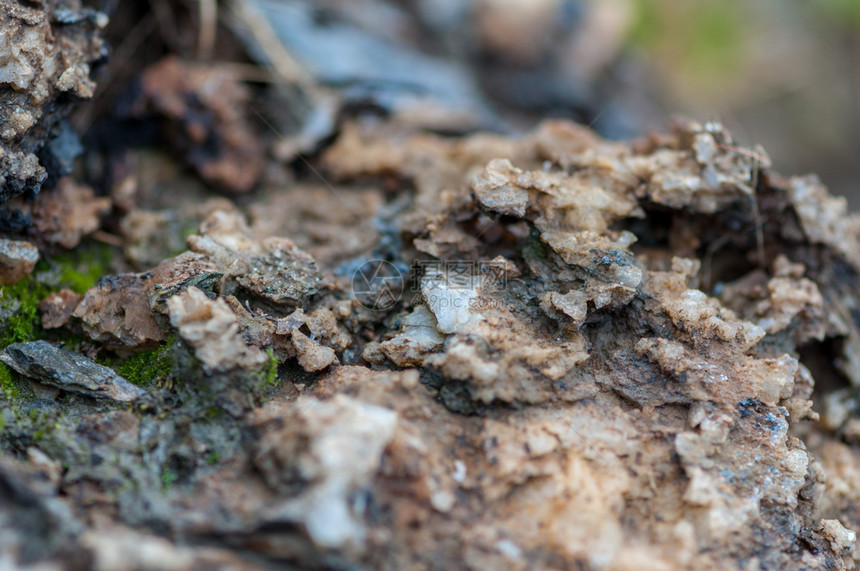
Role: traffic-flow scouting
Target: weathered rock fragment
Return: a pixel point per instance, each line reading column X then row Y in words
column 116, row 312
column 57, row 308
column 69, row 212
column 48, row 50
column 311, row 355
column 127, row 311
column 321, row 453
column 272, row 270
column 44, row 363
column 607, row 354
column 17, row 260
column 204, row 119
column 212, row 330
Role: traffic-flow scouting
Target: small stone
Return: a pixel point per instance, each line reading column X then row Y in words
column 17, row 260
column 496, row 189
column 312, row 356
column 841, row 539
column 44, row 363
column 69, row 212
column 212, row 330
column 57, row 308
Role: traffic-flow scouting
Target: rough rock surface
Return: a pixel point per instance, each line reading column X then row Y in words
column 48, row 49
column 44, row 363
column 213, row 331
column 17, row 260
column 604, row 354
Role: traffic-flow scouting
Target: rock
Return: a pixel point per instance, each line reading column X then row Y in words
column 495, row 191
column 44, row 363
column 608, row 354
column 17, row 260
column 212, row 330
column 127, row 311
column 119, row 548
column 69, row 212
column 205, row 120
column 116, row 311
column 419, row 336
column 335, row 446
column 57, row 308
column 46, row 69
column 272, row 270
column 311, row 355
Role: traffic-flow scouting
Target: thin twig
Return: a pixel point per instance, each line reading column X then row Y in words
column 207, row 11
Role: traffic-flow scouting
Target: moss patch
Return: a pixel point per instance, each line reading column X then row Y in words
column 8, row 384
column 149, row 367
column 269, row 375
column 23, row 321
column 535, row 248
column 167, row 478
column 80, row 269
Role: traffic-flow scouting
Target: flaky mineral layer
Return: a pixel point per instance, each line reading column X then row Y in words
column 603, row 356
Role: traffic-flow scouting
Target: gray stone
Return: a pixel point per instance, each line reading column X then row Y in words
column 44, row 363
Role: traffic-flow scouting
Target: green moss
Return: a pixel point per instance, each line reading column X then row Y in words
column 213, row 458
column 80, row 269
column 8, row 384
column 841, row 12
column 42, row 425
column 707, row 47
column 167, row 478
column 19, row 303
column 645, row 30
column 23, row 322
column 269, row 375
column 148, row 367
column 715, row 41
column 214, row 412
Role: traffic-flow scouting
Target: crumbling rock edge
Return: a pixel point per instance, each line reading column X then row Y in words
column 601, row 363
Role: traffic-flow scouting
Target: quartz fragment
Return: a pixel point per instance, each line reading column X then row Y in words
column 336, row 447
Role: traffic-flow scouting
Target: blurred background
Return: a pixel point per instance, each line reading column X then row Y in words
column 782, row 73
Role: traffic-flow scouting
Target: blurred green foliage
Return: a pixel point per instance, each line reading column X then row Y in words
column 701, row 39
